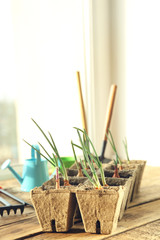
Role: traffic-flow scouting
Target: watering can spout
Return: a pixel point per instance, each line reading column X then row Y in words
column 6, row 164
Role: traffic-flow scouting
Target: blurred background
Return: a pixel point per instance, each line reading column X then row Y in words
column 44, row 43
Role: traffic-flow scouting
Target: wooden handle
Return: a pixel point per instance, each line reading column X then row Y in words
column 110, row 107
column 84, row 123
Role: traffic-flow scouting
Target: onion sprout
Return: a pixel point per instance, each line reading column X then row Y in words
column 126, row 149
column 86, row 144
column 111, row 141
column 55, row 155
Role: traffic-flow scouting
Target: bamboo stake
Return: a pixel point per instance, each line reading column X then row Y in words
column 83, row 116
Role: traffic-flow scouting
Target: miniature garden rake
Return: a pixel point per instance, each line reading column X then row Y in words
column 8, row 207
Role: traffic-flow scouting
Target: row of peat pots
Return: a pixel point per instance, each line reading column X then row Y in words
column 99, row 210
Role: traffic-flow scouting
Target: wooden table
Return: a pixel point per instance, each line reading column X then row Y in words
column 141, row 221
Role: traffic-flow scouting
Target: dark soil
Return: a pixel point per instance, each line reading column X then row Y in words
column 123, row 173
column 82, row 183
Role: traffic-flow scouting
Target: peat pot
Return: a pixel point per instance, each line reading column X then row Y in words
column 54, row 208
column 57, row 210
column 138, row 166
column 126, row 183
column 141, row 164
column 130, row 174
column 100, row 208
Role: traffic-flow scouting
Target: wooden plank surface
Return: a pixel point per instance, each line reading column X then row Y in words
column 137, row 218
column 20, row 228
column 150, row 186
column 150, row 231
column 133, row 218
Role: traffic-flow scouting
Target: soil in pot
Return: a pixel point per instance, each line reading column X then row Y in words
column 74, row 172
column 74, row 166
column 73, row 181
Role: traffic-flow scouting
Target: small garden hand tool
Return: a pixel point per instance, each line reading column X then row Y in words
column 8, row 207
column 35, row 171
column 108, row 120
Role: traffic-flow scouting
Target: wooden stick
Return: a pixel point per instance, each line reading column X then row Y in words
column 110, row 107
column 83, row 116
column 57, row 178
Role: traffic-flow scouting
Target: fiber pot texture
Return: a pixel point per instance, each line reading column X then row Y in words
column 54, row 208
column 127, row 174
column 138, row 165
column 142, row 164
column 131, row 174
column 126, row 183
column 100, row 208
column 74, row 181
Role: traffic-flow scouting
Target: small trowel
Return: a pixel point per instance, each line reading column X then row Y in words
column 108, row 120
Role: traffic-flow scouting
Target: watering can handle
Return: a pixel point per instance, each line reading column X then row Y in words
column 38, row 158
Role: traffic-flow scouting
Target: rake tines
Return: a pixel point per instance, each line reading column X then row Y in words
column 8, row 207
column 12, row 207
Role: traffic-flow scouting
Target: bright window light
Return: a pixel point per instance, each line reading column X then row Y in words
column 41, row 49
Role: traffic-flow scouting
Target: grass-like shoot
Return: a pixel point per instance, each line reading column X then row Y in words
column 112, row 143
column 54, row 157
column 78, row 164
column 126, row 149
column 86, row 145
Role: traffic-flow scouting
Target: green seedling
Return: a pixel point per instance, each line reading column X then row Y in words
column 126, row 149
column 54, row 157
column 86, row 145
column 117, row 161
column 79, row 167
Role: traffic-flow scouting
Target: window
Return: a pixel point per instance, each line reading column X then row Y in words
column 8, row 133
column 42, row 47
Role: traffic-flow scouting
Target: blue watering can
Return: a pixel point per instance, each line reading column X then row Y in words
column 35, row 171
